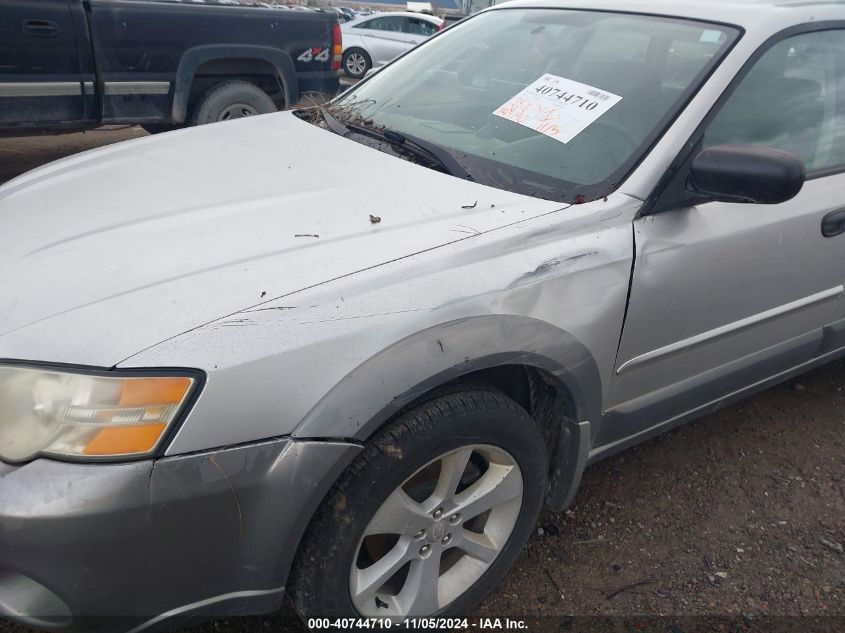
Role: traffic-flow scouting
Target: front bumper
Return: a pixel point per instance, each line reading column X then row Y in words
column 130, row 546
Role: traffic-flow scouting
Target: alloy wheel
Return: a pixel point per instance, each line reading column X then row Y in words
column 436, row 534
column 356, row 64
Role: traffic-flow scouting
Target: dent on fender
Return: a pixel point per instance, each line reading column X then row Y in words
column 356, row 407
column 591, row 278
column 338, row 359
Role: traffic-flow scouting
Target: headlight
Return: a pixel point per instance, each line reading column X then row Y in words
column 79, row 415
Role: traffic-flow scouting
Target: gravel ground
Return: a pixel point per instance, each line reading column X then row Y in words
column 742, row 512
column 735, row 522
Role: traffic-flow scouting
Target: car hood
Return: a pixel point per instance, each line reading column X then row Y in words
column 109, row 252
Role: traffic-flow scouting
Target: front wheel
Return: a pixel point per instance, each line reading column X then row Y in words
column 430, row 516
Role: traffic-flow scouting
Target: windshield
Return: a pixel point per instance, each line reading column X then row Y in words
column 548, row 102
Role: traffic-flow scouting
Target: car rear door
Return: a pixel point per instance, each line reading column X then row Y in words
column 385, row 38
column 728, row 296
column 40, row 78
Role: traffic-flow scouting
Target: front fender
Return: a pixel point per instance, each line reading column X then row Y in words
column 367, row 397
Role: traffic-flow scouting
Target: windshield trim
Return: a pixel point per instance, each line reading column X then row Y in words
column 580, row 193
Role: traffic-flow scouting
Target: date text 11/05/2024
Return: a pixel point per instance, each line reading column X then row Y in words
column 413, row 624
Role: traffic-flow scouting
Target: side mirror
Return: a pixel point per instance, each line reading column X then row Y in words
column 746, row 173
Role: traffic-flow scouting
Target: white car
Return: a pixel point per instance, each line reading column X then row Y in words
column 377, row 39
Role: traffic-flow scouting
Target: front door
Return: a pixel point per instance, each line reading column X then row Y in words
column 39, row 63
column 725, row 296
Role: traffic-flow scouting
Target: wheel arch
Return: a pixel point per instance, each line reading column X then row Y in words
column 195, row 58
column 542, row 367
column 358, row 47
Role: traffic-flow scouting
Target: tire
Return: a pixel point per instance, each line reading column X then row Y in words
column 356, row 62
column 342, row 548
column 231, row 100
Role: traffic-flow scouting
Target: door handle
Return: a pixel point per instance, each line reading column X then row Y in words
column 833, row 223
column 40, row 28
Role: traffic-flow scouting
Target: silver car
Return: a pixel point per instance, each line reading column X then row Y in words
column 373, row 41
column 234, row 368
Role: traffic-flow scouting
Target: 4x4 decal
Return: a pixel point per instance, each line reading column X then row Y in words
column 315, row 54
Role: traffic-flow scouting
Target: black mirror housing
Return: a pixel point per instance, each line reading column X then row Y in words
column 746, row 174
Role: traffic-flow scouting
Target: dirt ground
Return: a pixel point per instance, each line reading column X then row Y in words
column 20, row 154
column 735, row 522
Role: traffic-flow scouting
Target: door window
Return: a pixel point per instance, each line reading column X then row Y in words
column 393, row 24
column 793, row 99
column 417, row 26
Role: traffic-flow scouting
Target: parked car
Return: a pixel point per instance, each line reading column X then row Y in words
column 224, row 379
column 373, row 41
column 159, row 64
column 342, row 17
column 350, row 13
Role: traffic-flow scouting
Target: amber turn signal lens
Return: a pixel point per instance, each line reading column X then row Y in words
column 151, row 401
column 141, row 392
column 125, row 440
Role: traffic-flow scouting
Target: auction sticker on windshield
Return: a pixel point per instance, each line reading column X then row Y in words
column 558, row 107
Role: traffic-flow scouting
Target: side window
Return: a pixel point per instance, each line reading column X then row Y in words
column 421, row 27
column 793, row 99
column 371, row 24
column 393, row 24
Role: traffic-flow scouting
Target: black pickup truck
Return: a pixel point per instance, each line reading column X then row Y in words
column 69, row 65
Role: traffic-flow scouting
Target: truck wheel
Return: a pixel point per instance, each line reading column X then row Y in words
column 430, row 515
column 356, row 62
column 232, row 100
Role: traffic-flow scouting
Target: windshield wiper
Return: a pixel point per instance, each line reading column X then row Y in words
column 334, row 125
column 402, row 142
column 425, row 149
